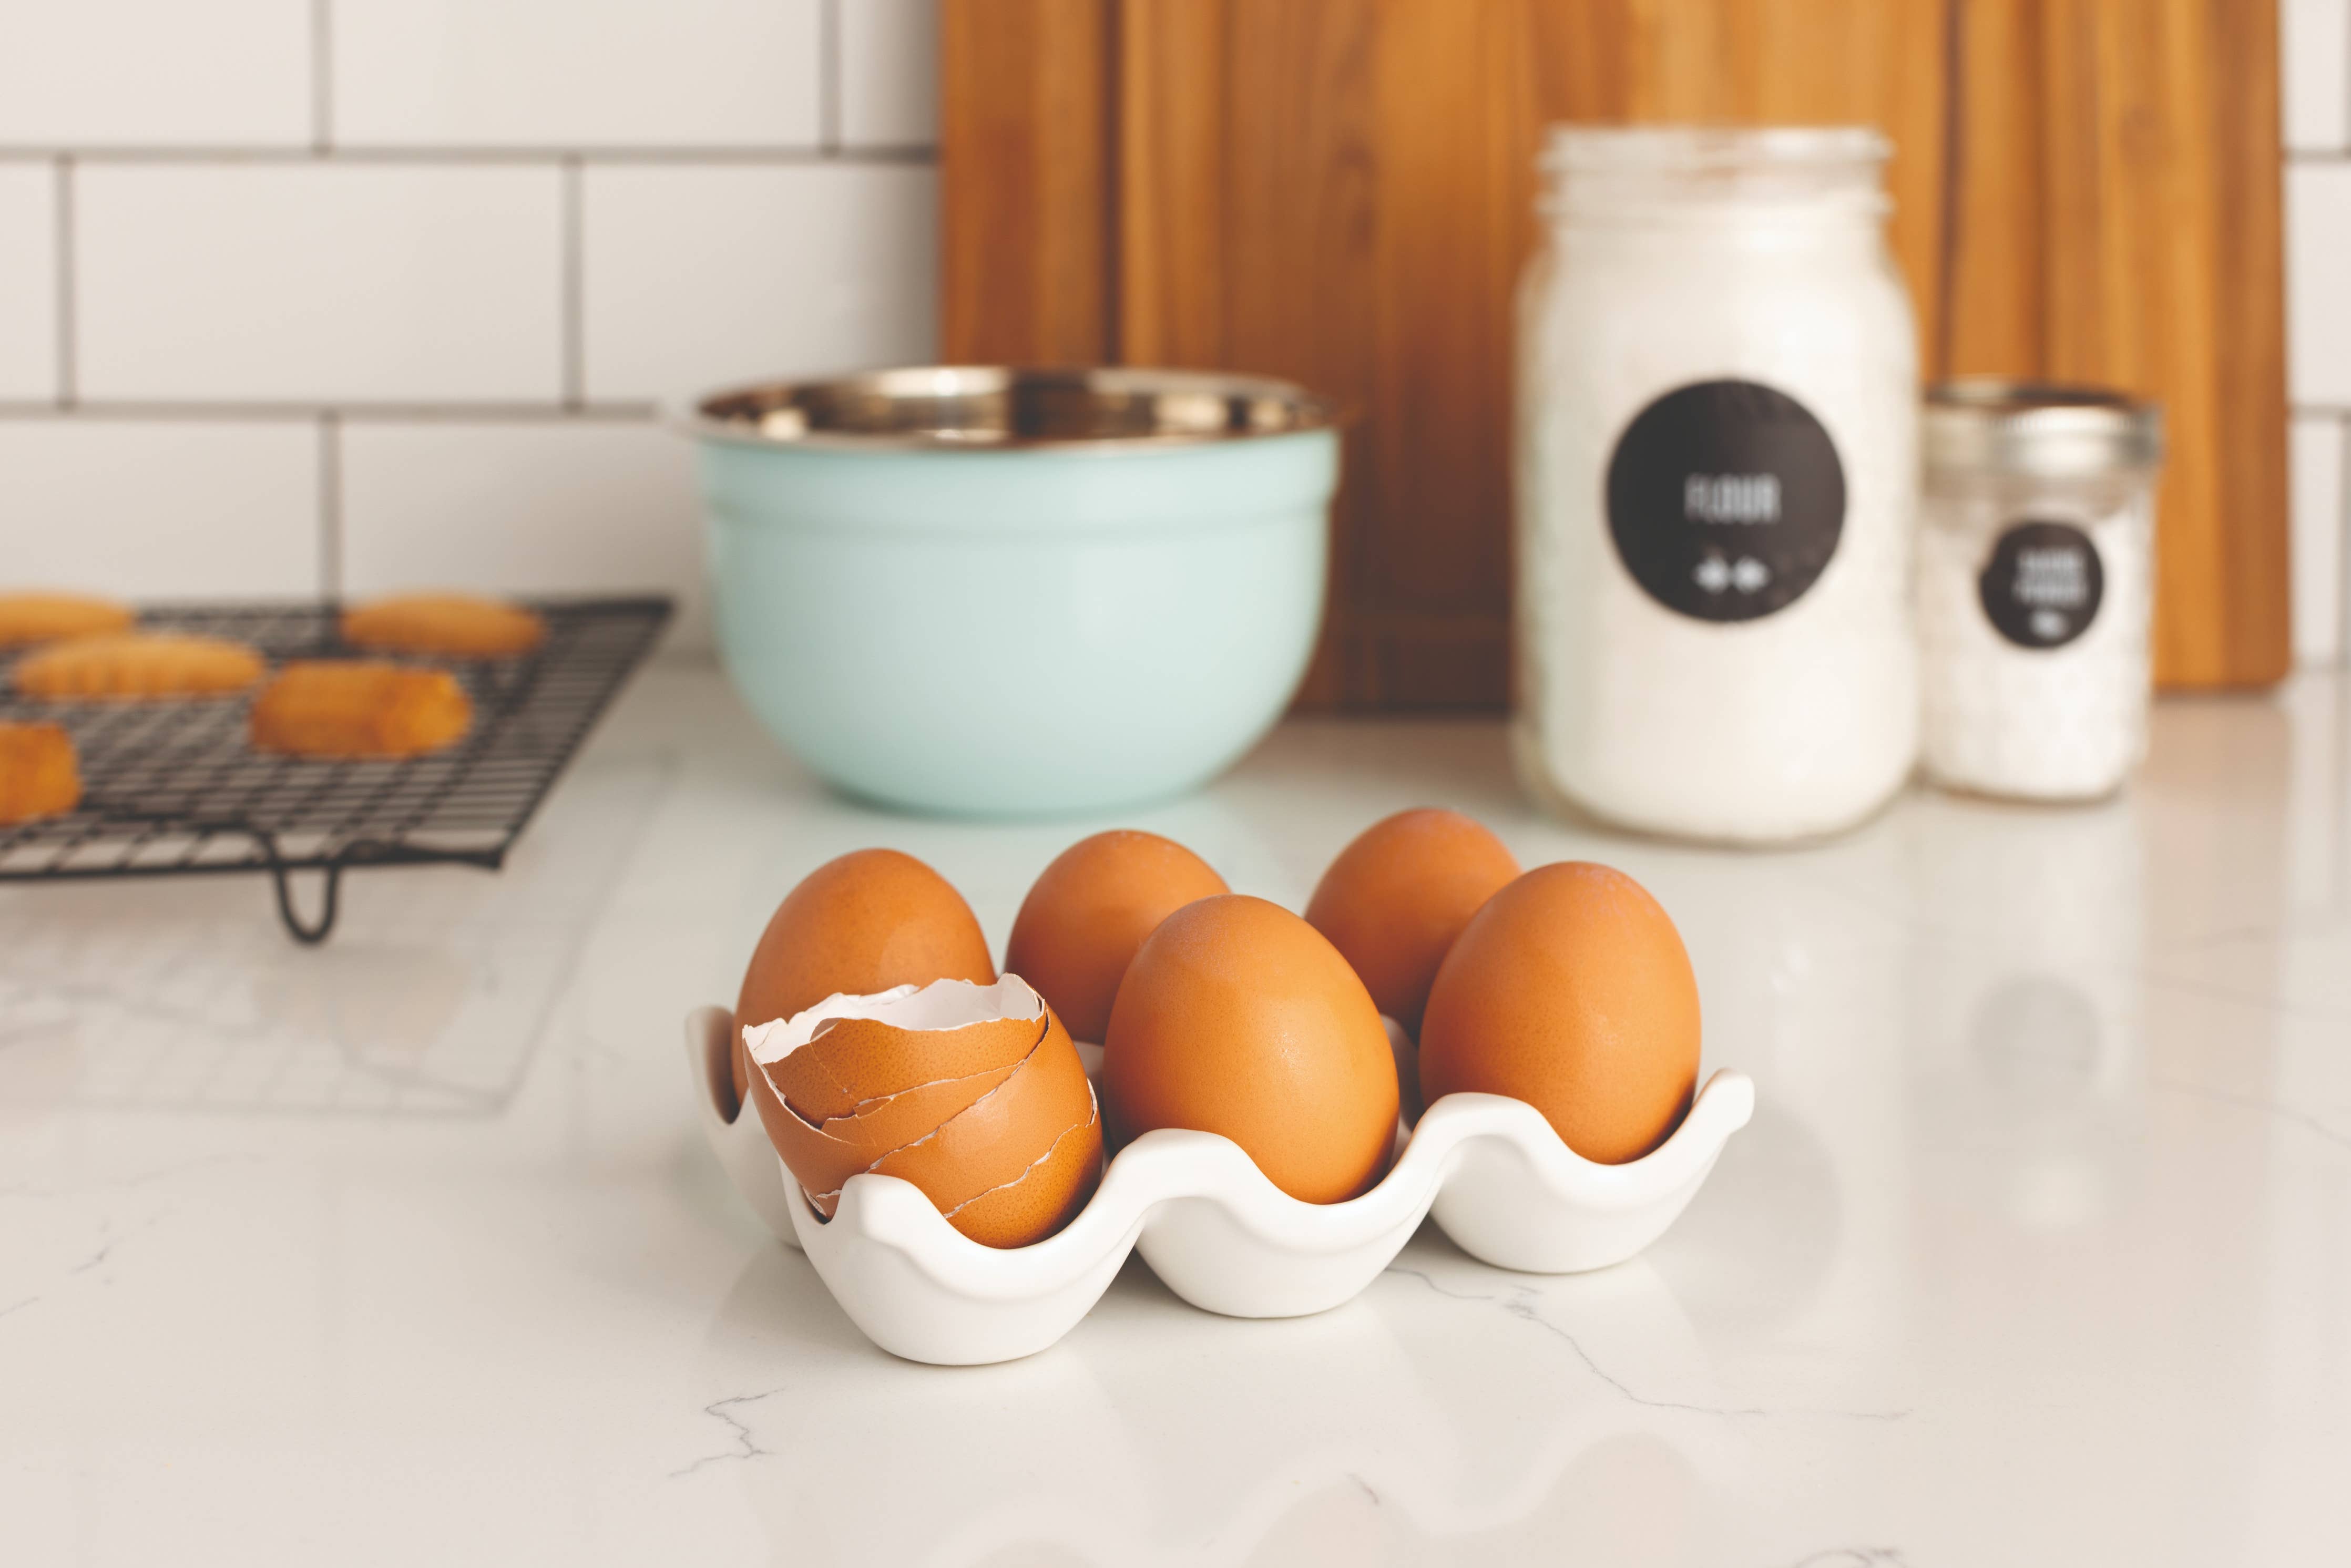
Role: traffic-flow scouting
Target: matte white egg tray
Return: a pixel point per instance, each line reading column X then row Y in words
column 1221, row 1236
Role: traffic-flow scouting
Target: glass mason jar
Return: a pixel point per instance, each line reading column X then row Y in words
column 1717, row 475
column 2036, row 581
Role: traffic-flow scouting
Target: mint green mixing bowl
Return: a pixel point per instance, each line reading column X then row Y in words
column 1003, row 592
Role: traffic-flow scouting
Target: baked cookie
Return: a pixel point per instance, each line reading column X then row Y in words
column 38, row 775
column 451, row 625
column 349, row 709
column 135, row 664
column 28, row 618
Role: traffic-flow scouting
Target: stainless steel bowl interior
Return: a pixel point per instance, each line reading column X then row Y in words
column 953, row 406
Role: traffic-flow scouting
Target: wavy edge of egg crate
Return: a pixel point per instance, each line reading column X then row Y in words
column 1492, row 1172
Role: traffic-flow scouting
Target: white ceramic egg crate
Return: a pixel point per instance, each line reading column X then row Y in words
column 1492, row 1172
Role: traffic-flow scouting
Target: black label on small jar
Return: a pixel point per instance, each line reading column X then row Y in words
column 1726, row 500
column 2042, row 585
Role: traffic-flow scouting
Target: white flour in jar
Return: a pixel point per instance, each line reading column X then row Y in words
column 2035, row 588
column 1717, row 481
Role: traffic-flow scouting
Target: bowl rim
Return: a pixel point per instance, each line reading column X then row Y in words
column 1208, row 407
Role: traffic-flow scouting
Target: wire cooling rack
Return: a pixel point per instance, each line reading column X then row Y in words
column 172, row 788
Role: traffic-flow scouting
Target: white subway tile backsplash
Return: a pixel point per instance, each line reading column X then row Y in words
column 29, row 282
column 2314, row 38
column 890, row 73
column 155, row 73
column 599, row 73
column 174, row 510
column 2321, row 514
column 2317, row 249
column 575, row 507
column 319, row 282
column 695, row 278
column 450, row 279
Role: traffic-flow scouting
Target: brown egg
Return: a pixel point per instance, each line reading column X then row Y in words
column 974, row 1095
column 1571, row 990
column 1396, row 897
column 1238, row 1018
column 1082, row 922
column 863, row 923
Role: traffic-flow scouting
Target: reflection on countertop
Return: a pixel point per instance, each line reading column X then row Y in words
column 2038, row 1250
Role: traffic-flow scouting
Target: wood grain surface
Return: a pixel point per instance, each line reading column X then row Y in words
column 2117, row 221
column 2163, row 256
column 1025, row 171
column 1341, row 191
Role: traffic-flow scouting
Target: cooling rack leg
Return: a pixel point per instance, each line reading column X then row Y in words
column 315, row 932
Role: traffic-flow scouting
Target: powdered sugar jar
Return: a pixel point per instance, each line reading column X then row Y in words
column 2036, row 586
column 1716, row 456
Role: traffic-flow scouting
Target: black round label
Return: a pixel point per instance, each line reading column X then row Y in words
column 1726, row 500
column 2042, row 585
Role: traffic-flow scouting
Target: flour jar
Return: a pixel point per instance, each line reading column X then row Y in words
column 2036, row 587
column 1716, row 477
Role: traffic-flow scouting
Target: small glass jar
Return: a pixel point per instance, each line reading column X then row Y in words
column 2036, row 587
column 1716, row 483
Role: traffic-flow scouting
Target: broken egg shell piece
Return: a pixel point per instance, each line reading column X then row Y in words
column 896, row 1037
column 941, row 1005
column 853, row 1077
column 826, row 1155
column 1044, row 1197
column 972, row 1093
column 1009, row 1136
column 950, row 1029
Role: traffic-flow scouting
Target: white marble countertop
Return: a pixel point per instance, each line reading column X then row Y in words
column 405, row 1250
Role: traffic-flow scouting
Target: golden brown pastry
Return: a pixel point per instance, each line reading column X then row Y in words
column 38, row 775
column 349, row 709
column 137, row 664
column 450, row 625
column 29, row 618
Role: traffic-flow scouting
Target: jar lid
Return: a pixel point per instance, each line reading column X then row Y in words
column 2038, row 430
column 1649, row 172
column 1581, row 145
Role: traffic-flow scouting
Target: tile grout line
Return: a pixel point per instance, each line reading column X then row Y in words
column 574, row 290
column 829, row 75
column 69, row 372
column 322, row 75
column 228, row 411
column 780, row 154
column 330, row 505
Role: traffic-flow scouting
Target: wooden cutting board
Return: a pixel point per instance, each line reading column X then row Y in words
column 1341, row 191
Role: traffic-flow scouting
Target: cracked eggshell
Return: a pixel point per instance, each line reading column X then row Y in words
column 1088, row 914
column 858, row 925
column 972, row 1093
column 1239, row 1018
column 1571, row 990
column 1398, row 895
